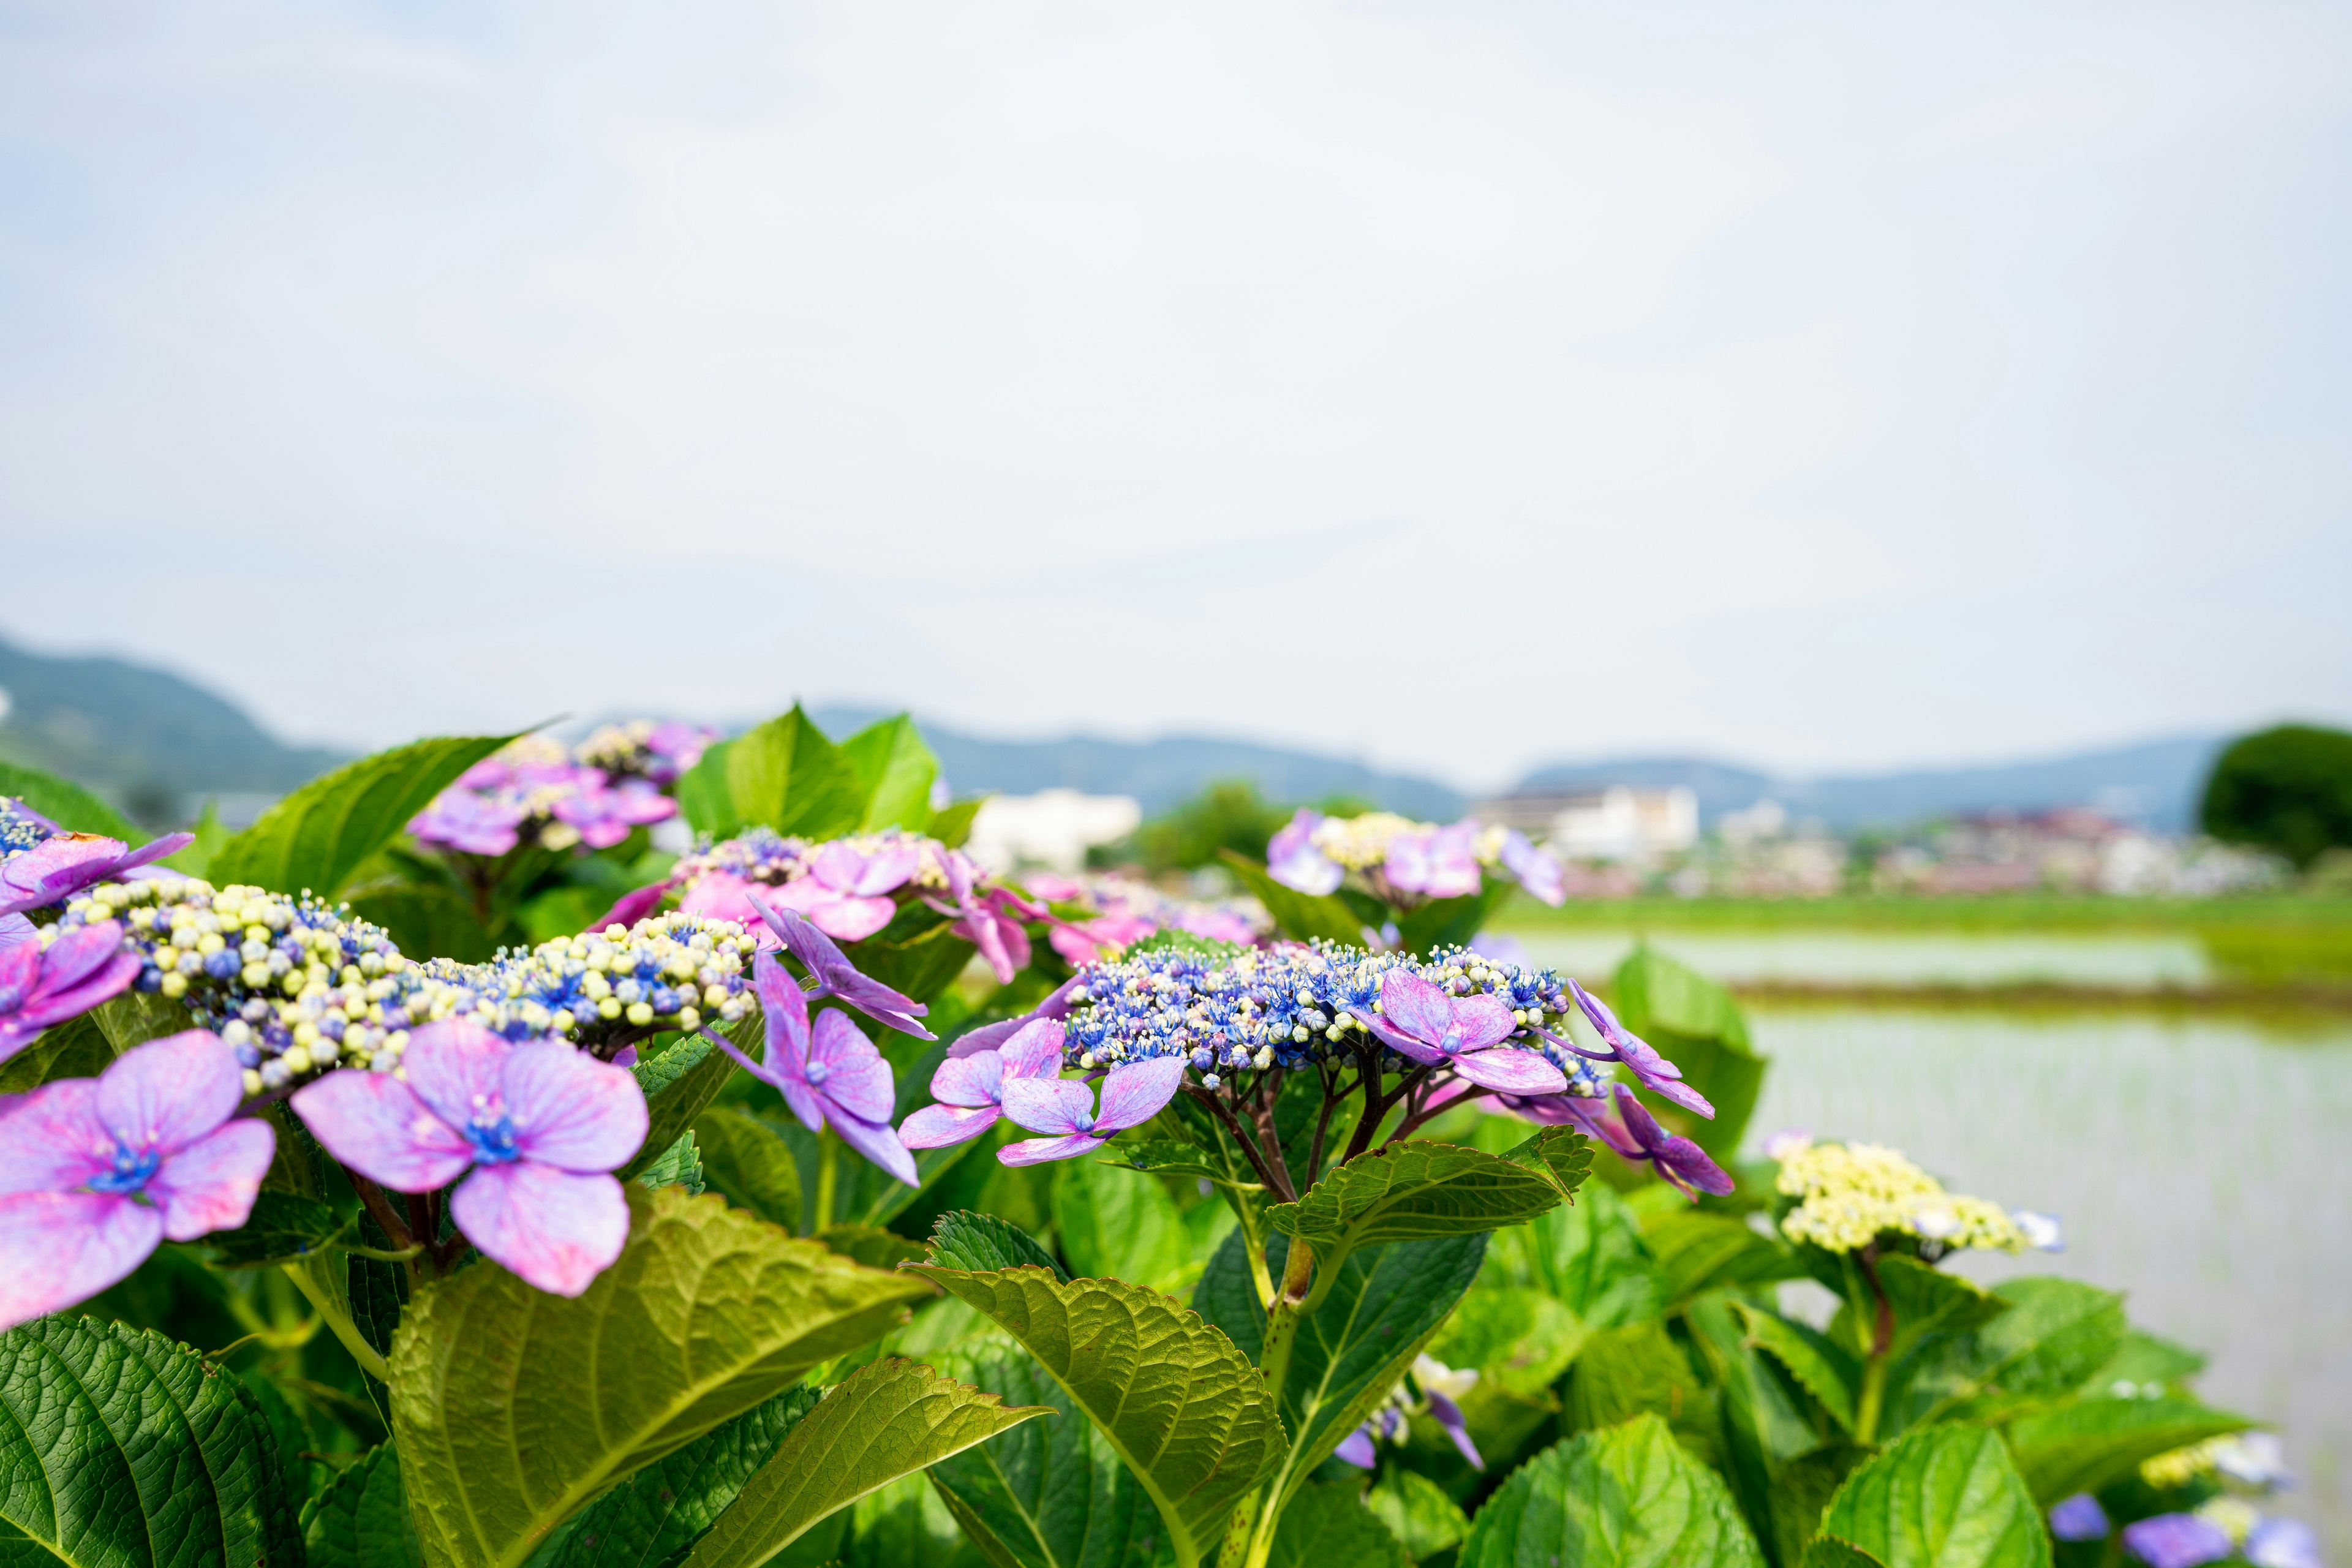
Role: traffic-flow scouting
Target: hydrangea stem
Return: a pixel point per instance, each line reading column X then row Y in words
column 828, row 1176
column 1882, row 1340
column 339, row 1322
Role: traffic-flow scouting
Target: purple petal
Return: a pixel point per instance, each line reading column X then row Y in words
column 571, row 1110
column 54, row 1139
column 1398, row 1040
column 631, row 907
column 1356, row 1448
column 65, row 1247
column 1292, row 859
column 2280, row 1542
column 166, row 1094
column 1628, row 1047
column 555, row 1230
column 1644, row 1126
column 802, row 1101
column 148, row 854
column 785, row 1007
column 1412, row 1005
column 969, row 1081
column 886, row 869
column 1681, row 1093
column 1449, row 1416
column 1593, row 1117
column 1679, row 1160
column 991, row 1036
column 857, row 1077
column 56, row 868
column 80, row 953
column 2177, row 1540
column 879, row 1143
column 1038, row 1151
column 1538, row 870
column 1483, row 1021
column 209, row 1184
column 937, row 1126
column 1037, row 1050
column 1512, row 1070
column 1058, row 1105
column 16, row 930
column 2080, row 1518
column 110, row 980
column 372, row 1123
column 457, row 1068
column 1133, row 1094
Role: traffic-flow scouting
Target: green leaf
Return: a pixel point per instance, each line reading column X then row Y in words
column 1925, row 1301
column 1623, row 1373
column 1518, row 1339
column 1825, row 1553
column 513, row 1408
column 75, row 1049
column 701, row 794
column 2143, row 1359
column 284, row 1227
column 894, row 772
column 679, row 1165
column 1325, row 1526
column 317, row 836
column 1452, row 922
column 1625, row 1498
column 197, row 857
column 1801, row 1493
column 651, row 1519
column 120, row 1449
column 786, row 775
column 1940, row 1496
column 1046, row 1494
column 1562, row 1157
column 1823, row 1369
column 361, row 1520
column 952, row 825
column 870, row 1244
column 1590, row 1254
column 1412, row 1190
column 889, row 1419
column 1695, row 1024
column 1119, row 1224
column 1190, row 1417
column 746, row 1161
column 1171, row 1157
column 2095, row 1443
column 137, row 1017
column 680, row 1083
column 1419, row 1514
column 67, row 805
column 1764, row 1419
column 1700, row 1251
column 2055, row 1334
column 981, row 1243
column 1299, row 916
column 427, row 922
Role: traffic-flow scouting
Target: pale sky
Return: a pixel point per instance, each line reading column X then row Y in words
column 1457, row 385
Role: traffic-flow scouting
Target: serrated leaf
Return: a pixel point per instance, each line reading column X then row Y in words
column 1625, row 1498
column 1590, row 1254
column 680, row 1083
column 678, row 1165
column 1518, row 1339
column 1764, row 1419
column 1801, row 1494
column 981, row 1243
column 513, row 1408
column 889, row 1419
column 1626, row 1371
column 67, row 804
column 1123, row 1227
column 651, row 1519
column 2093, row 1443
column 1940, row 1496
column 1413, row 1190
column 317, row 836
column 120, row 1449
column 284, row 1227
column 75, row 1049
column 1325, row 1526
column 1046, row 1494
column 1824, row 1552
column 1171, row 1157
column 1299, row 916
column 1924, row 1301
column 895, row 774
column 783, row 775
column 361, row 1520
column 1821, row 1368
column 745, row 1161
column 1190, row 1418
column 870, row 1244
column 1563, row 1156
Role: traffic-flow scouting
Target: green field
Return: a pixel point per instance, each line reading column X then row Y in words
column 1989, row 913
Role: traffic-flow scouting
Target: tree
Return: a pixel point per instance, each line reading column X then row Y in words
column 2288, row 789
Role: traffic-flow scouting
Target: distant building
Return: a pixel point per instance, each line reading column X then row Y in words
column 1052, row 828
column 1615, row 824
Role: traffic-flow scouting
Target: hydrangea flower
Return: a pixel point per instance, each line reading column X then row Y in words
column 2080, row 1518
column 2280, row 1542
column 1851, row 1193
column 541, row 1126
column 845, row 892
column 968, row 1088
column 1394, row 855
column 82, row 968
column 57, row 867
column 468, row 821
column 1295, row 861
column 99, row 1171
column 1537, row 871
column 21, row 826
column 605, row 814
column 1417, row 1019
column 1636, row 1135
column 1129, row 911
column 1064, row 1109
column 994, row 1037
column 991, row 922
column 16, row 930
column 1441, row 1387
column 836, row 976
column 829, row 1074
column 1658, row 1075
column 1437, row 862
column 2177, row 1540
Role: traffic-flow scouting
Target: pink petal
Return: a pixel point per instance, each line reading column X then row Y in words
column 1036, row 1051
column 1073, row 943
column 16, row 930
column 937, row 1126
column 1681, row 1093
column 1414, row 1006
column 166, row 1094
column 1038, row 1151
column 371, row 1122
column 969, row 1081
column 857, row 1077
column 110, row 980
column 852, row 919
column 785, row 1007
column 65, row 1247
column 631, row 907
column 54, row 1139
column 209, row 1184
column 1512, row 1071
column 1397, row 1040
column 1484, row 1021
column 556, row 1230
column 78, row 953
column 879, row 1143
column 803, row 894
column 148, row 854
column 1049, row 1104
column 457, row 1068
column 1133, row 1094
column 719, row 896
column 571, row 1110
column 801, row 1102
column 867, row 875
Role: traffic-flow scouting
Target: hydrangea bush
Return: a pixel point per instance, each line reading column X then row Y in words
column 436, row 1173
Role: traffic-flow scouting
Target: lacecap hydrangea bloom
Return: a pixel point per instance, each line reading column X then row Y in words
column 1849, row 1195
column 535, row 790
column 21, row 826
column 1114, row 911
column 844, row 885
column 1401, row 861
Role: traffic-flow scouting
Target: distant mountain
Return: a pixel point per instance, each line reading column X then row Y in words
column 2156, row 784
column 148, row 739
column 1158, row 773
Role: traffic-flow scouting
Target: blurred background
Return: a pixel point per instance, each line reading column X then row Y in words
column 1868, row 486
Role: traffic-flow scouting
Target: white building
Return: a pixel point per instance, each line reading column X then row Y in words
column 1618, row 823
column 1052, row 828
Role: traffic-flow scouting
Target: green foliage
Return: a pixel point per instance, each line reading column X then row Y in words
column 889, row 1419
column 652, row 1517
column 678, row 1165
column 1179, row 1404
column 75, row 1049
column 2055, row 1335
column 748, row 1164
column 1325, row 1526
column 361, row 1520
column 895, row 770
column 1519, row 1340
column 120, row 1449
column 783, row 775
column 1941, row 1497
column 284, row 1227
column 1698, row 1251
column 67, row 805
column 1626, row 1371
column 982, row 1243
column 137, row 1017
column 681, row 1081
column 317, row 836
column 1302, row 917
column 211, row 834
column 1822, row 1368
column 1696, row 1025
column 513, row 1408
column 1452, row 922
column 1045, row 1494
column 1414, row 1189
column 1418, row 1512
column 1627, row 1497
column 2288, row 789
column 1121, row 1224
column 427, row 917
column 1591, row 1256
column 2095, row 1443
column 1227, row 817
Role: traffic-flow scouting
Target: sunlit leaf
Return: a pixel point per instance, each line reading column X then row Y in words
column 1590, row 1254
column 2093, row 1443
column 651, row 1519
column 981, row 1242
column 67, row 804
column 1695, row 1024
column 1940, row 1496
column 895, row 774
column 1299, row 916
column 748, row 1162
column 1627, row 1497
column 1120, row 1224
column 75, row 1049
column 1325, row 1526
column 317, row 836
column 361, row 1520
column 1412, row 1190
